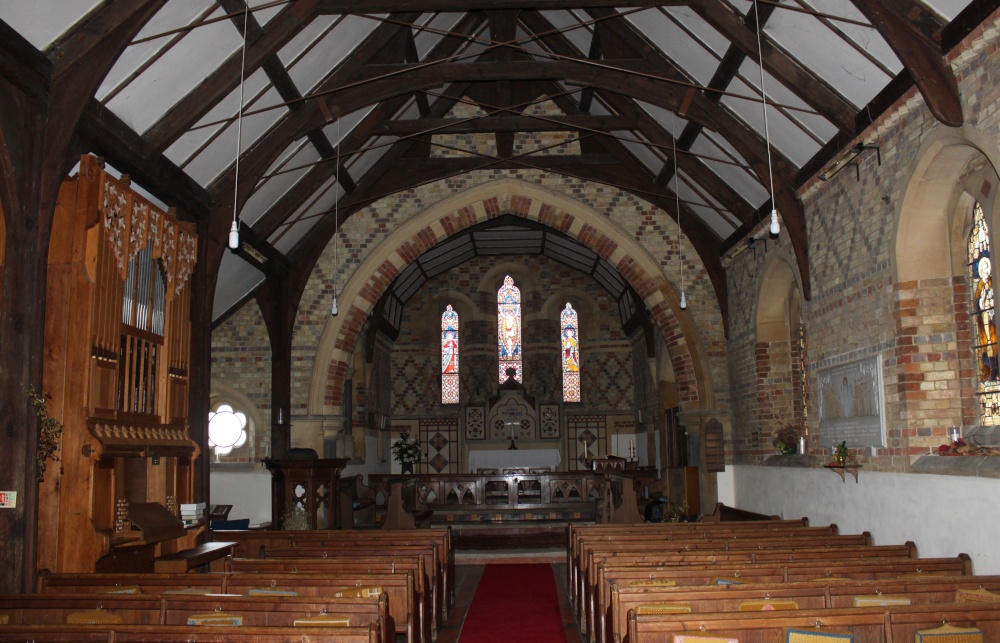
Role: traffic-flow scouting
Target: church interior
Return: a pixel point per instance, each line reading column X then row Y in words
column 446, row 266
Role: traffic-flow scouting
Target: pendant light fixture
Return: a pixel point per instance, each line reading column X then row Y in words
column 234, row 231
column 336, row 225
column 677, row 206
column 775, row 226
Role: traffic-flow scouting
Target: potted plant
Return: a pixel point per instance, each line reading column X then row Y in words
column 406, row 452
column 786, row 439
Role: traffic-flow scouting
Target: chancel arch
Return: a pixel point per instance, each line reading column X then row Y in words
column 438, row 222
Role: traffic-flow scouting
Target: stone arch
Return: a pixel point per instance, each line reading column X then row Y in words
column 481, row 203
column 928, row 265
column 777, row 299
column 929, row 209
column 777, row 352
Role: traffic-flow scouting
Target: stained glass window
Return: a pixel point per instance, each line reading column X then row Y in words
column 449, row 356
column 509, row 329
column 984, row 339
column 569, row 327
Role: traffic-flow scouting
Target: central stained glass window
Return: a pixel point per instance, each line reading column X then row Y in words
column 509, row 329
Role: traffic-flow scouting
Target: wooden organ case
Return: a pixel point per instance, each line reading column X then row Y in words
column 117, row 342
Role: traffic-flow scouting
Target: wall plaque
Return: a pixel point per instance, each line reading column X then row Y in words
column 851, row 404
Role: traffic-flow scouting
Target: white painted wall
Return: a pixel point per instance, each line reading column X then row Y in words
column 248, row 490
column 943, row 515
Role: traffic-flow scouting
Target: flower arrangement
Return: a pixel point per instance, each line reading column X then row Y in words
column 49, row 432
column 961, row 447
column 406, row 450
column 786, row 439
column 841, row 455
column 675, row 512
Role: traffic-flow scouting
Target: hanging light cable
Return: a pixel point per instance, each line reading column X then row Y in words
column 234, row 231
column 336, row 225
column 775, row 227
column 677, row 206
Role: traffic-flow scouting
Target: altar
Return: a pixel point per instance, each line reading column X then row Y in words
column 500, row 459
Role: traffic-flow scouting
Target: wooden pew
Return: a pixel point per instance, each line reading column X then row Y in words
column 682, row 532
column 175, row 609
column 422, row 626
column 213, row 554
column 753, row 550
column 761, row 557
column 599, row 595
column 354, row 550
column 399, row 587
column 174, row 633
column 808, row 595
column 894, row 624
column 255, row 544
column 724, row 513
column 591, row 553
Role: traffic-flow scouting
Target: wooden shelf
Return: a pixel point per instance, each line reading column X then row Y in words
column 841, row 468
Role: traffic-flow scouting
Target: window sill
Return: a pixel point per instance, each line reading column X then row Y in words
column 976, row 466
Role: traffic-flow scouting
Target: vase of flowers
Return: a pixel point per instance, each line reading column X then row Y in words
column 406, row 451
column 786, row 439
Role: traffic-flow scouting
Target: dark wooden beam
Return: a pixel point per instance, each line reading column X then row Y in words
column 813, row 90
column 218, row 84
column 507, row 124
column 922, row 21
column 929, row 69
column 299, row 123
column 319, row 174
column 647, row 126
column 23, row 66
column 596, row 52
column 459, row 6
column 107, row 135
column 780, row 171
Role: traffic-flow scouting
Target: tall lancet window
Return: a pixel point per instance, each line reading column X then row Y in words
column 570, row 329
column 509, row 329
column 984, row 339
column 449, row 356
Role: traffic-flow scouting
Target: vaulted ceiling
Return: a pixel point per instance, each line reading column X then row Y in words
column 347, row 101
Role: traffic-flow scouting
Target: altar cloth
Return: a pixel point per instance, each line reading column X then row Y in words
column 501, row 459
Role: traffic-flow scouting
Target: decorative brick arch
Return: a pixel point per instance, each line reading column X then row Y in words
column 449, row 216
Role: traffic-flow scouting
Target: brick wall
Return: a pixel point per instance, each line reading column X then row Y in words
column 416, row 355
column 920, row 328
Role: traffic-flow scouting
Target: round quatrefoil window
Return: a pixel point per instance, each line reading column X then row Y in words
column 227, row 429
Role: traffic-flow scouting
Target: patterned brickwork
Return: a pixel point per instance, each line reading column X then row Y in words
column 703, row 311
column 920, row 329
column 416, row 355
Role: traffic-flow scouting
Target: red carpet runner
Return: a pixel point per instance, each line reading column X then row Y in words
column 514, row 603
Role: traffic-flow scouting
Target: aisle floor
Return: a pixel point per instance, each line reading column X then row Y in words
column 467, row 579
